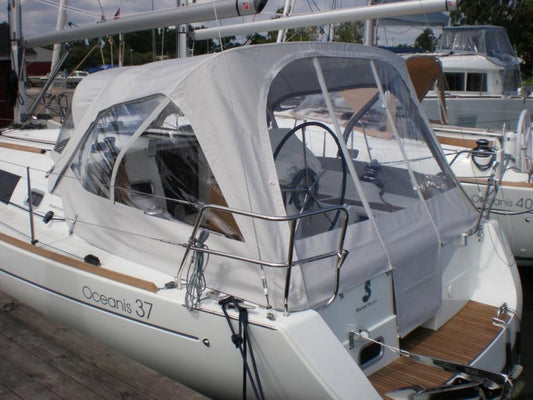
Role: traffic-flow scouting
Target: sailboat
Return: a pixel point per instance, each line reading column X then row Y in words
column 185, row 217
column 494, row 166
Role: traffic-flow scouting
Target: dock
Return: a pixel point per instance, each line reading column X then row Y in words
column 43, row 360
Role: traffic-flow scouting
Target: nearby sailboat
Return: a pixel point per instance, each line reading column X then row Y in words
column 185, row 217
column 493, row 166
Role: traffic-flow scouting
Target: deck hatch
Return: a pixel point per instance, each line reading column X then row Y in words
column 8, row 183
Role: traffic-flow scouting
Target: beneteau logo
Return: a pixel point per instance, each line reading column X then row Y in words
column 368, row 292
column 366, row 298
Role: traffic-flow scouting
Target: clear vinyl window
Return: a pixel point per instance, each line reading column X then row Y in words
column 113, row 128
column 366, row 105
column 67, row 128
column 161, row 171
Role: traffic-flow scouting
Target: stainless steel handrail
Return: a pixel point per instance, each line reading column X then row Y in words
column 339, row 253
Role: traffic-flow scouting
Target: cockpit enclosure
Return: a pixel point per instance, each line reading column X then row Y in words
column 486, row 40
column 305, row 131
column 483, row 39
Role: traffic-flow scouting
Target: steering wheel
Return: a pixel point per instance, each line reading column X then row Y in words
column 303, row 191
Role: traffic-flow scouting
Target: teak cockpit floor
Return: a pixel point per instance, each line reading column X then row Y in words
column 460, row 340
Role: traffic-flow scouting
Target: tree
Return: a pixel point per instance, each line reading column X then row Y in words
column 521, row 36
column 291, row 35
column 349, row 32
column 426, row 40
column 257, row 38
column 138, row 49
column 480, row 12
column 514, row 15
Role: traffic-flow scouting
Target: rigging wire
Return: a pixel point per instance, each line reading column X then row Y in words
column 98, row 225
column 43, row 244
column 507, row 258
column 310, row 3
column 69, row 8
column 102, row 10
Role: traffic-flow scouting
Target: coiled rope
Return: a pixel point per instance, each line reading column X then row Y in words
column 195, row 274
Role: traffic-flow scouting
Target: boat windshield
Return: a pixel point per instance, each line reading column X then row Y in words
column 492, row 41
column 366, row 105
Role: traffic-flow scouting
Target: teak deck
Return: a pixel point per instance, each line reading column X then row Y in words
column 461, row 340
column 100, row 271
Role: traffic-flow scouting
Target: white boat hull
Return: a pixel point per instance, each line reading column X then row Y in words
column 496, row 113
column 510, row 208
column 157, row 330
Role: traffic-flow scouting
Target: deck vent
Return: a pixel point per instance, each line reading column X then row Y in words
column 36, row 198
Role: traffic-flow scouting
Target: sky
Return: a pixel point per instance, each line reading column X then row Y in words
column 40, row 16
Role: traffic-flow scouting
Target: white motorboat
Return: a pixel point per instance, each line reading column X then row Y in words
column 185, row 218
column 483, row 87
column 75, row 77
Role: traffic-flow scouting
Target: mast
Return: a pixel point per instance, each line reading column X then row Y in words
column 370, row 27
column 153, row 38
column 183, row 33
column 287, row 11
column 60, row 25
column 17, row 58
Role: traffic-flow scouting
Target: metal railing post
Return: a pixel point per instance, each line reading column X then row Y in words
column 30, row 207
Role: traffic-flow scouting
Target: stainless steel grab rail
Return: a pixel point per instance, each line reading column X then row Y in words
column 339, row 252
